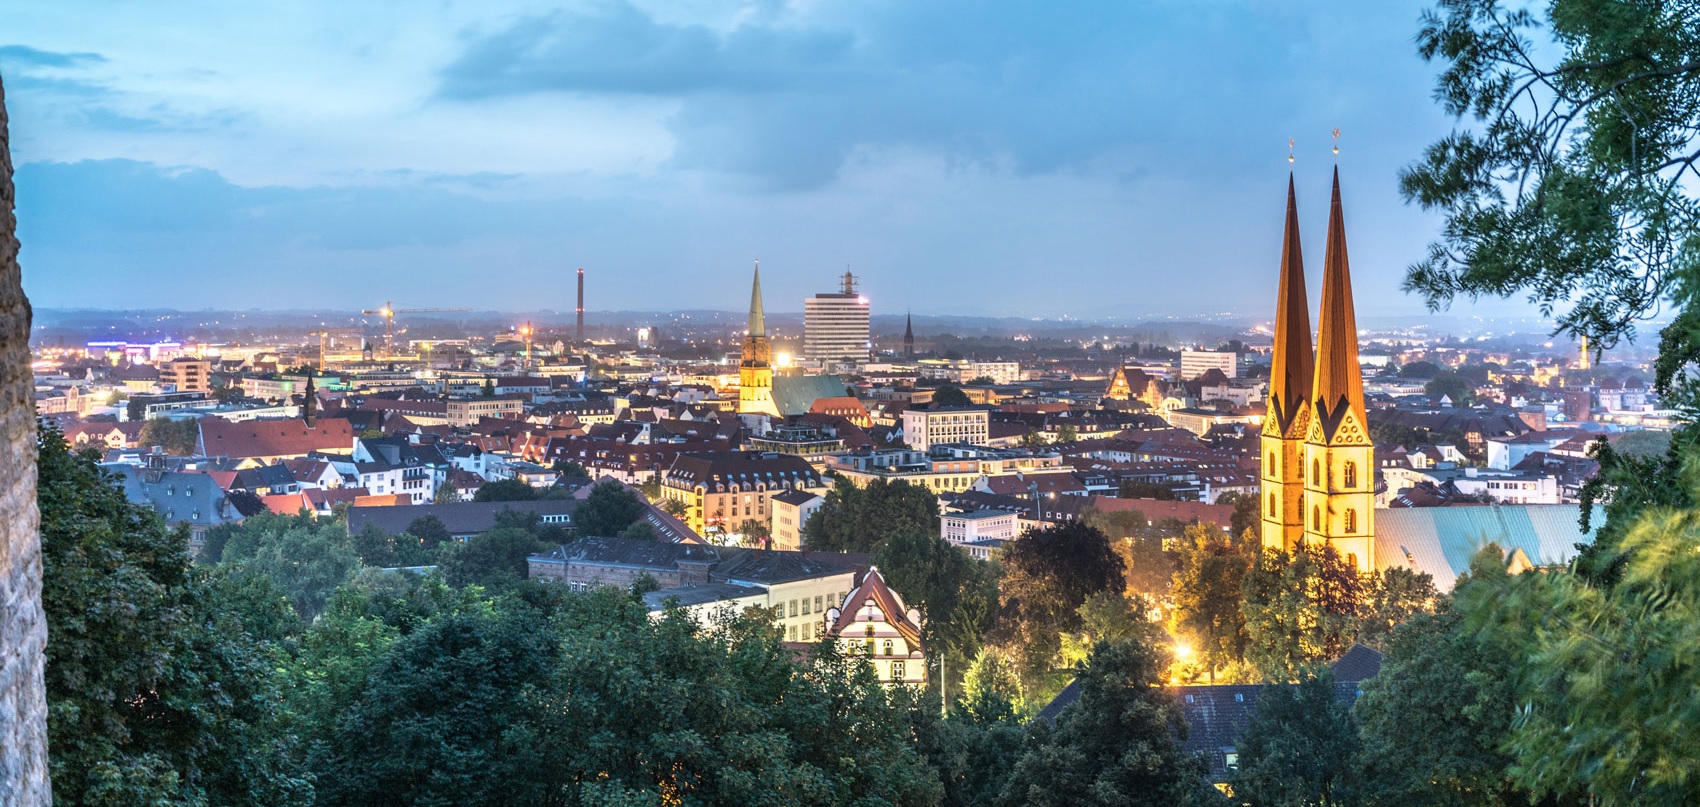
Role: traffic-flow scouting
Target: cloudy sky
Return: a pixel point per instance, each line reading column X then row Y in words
column 1123, row 157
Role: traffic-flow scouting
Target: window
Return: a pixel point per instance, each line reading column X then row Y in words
column 897, row 671
column 1272, row 510
column 818, row 603
column 791, row 633
column 888, row 647
column 1316, row 470
column 793, row 608
column 1351, row 520
column 1351, row 475
column 805, row 606
column 870, row 633
column 1316, row 517
column 1271, row 468
column 870, row 647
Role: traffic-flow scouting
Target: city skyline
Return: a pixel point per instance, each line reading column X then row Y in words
column 663, row 149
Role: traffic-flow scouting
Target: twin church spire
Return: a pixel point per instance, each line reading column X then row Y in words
column 1318, row 465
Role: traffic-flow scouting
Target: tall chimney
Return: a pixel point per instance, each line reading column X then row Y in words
column 581, row 304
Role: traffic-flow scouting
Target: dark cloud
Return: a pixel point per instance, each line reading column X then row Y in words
column 783, row 102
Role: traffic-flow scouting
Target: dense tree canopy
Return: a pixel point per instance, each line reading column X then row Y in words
column 860, row 519
column 609, row 509
column 1047, row 575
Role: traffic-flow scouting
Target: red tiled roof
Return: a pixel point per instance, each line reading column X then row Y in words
column 273, row 438
column 1158, row 509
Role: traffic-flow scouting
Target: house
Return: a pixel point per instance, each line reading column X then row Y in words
column 263, row 442
column 721, row 490
column 792, row 510
column 977, row 525
column 872, row 622
column 180, row 497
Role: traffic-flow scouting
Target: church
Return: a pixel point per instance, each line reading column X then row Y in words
column 760, row 391
column 1318, row 474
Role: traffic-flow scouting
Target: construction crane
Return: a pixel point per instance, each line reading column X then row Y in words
column 388, row 312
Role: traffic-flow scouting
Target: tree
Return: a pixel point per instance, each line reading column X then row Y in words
column 303, row 556
column 1067, row 434
column 1300, row 749
column 950, row 395
column 1140, row 548
column 446, row 493
column 608, row 510
column 972, row 750
column 571, row 469
column 1452, row 386
column 982, row 381
column 505, row 490
column 1301, row 609
column 1441, row 684
column 1574, row 184
column 1420, row 369
column 639, row 531
column 430, row 530
column 1047, row 575
column 1210, row 571
column 175, row 436
column 856, row 519
column 157, row 692
column 756, row 533
column 1602, row 692
column 1248, row 514
column 1394, row 595
column 1115, row 745
column 957, row 595
column 496, row 557
column 379, row 549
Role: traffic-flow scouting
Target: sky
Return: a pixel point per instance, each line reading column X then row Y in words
column 1112, row 158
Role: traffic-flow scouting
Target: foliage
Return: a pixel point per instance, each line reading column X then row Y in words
column 430, row 530
column 1575, row 185
column 1420, row 369
column 1109, row 617
column 639, row 531
column 1440, row 683
column 1608, row 692
column 991, row 686
column 571, row 469
column 156, row 691
column 305, row 557
column 856, row 519
column 491, row 558
column 382, row 550
column 1300, row 749
column 1452, row 386
column 1139, row 545
column 1301, row 609
column 608, row 510
column 505, row 490
column 1115, row 745
column 1394, row 595
column 971, row 751
column 957, row 595
column 175, row 436
column 755, row 532
column 949, row 395
column 1047, row 575
column 1248, row 512
column 1210, row 571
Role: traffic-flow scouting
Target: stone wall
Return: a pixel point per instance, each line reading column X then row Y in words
column 23, row 628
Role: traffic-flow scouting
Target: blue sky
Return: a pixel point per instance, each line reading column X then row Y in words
column 1092, row 159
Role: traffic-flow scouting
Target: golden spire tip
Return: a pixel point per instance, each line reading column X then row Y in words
column 1289, row 151
column 1336, row 143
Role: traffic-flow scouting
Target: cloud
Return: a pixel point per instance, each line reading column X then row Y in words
column 25, row 57
column 783, row 100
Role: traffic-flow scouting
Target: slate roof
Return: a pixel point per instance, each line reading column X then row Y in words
column 461, row 518
column 795, row 394
column 796, row 497
column 182, row 497
column 873, row 589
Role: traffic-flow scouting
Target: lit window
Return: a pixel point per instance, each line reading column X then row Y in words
column 1316, row 517
column 1351, row 521
column 1351, row 475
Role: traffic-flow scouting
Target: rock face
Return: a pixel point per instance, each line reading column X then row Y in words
column 23, row 627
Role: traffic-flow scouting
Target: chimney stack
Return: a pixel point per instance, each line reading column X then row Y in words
column 581, row 304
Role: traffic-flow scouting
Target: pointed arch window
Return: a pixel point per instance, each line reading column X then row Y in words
column 1316, row 470
column 1272, row 510
column 1273, row 468
column 1350, row 475
column 1316, row 517
column 1351, row 520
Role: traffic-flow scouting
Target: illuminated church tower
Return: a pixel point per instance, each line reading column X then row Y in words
column 755, row 371
column 1286, row 419
column 1327, row 431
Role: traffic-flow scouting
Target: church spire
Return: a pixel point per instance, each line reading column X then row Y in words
column 909, row 334
column 758, row 322
column 1339, row 385
column 1290, row 376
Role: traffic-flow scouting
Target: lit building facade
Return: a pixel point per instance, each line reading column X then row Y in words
column 835, row 326
column 873, row 623
column 755, row 368
column 1318, row 464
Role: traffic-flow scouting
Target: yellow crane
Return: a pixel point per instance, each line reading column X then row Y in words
column 388, row 312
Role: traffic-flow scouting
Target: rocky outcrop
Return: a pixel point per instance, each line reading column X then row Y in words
column 23, row 627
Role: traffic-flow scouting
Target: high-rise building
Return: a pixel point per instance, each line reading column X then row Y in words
column 1195, row 363
column 1332, row 483
column 755, row 369
column 835, row 326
